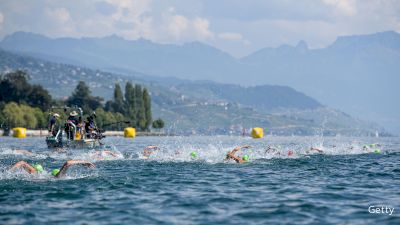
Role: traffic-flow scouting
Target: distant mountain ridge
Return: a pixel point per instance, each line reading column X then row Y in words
column 265, row 97
column 201, row 106
column 61, row 79
column 115, row 52
column 356, row 74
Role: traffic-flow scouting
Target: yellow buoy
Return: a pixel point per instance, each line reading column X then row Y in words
column 19, row 132
column 129, row 132
column 257, row 132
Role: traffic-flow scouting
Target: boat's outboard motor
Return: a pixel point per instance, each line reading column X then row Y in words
column 99, row 134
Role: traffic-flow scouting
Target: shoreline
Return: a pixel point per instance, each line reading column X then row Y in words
column 44, row 133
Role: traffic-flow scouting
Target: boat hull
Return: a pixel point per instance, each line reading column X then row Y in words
column 85, row 143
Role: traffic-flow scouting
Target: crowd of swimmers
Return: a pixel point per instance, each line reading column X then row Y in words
column 149, row 150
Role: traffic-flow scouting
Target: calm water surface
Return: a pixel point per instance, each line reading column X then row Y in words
column 336, row 187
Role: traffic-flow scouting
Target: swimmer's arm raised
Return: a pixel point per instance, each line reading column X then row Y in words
column 24, row 165
column 148, row 150
column 316, row 149
column 237, row 149
column 240, row 147
column 111, row 153
column 270, row 149
column 231, row 154
column 21, row 151
column 151, row 147
column 70, row 163
column 237, row 159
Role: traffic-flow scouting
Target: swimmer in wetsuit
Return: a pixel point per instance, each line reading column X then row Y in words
column 273, row 150
column 149, row 150
column 231, row 155
column 22, row 152
column 57, row 173
column 315, row 149
column 105, row 155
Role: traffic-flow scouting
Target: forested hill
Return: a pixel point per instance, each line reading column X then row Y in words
column 357, row 74
column 61, row 79
column 266, row 97
column 199, row 106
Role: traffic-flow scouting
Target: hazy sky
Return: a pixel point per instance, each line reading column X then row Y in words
column 236, row 26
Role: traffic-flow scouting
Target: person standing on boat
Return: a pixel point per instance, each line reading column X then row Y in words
column 70, row 126
column 90, row 127
column 54, row 124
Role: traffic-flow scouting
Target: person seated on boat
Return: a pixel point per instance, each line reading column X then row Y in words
column 231, row 155
column 57, row 173
column 90, row 127
column 70, row 126
column 149, row 150
column 54, row 124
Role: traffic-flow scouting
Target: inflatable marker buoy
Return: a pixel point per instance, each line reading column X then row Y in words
column 19, row 132
column 129, row 132
column 257, row 132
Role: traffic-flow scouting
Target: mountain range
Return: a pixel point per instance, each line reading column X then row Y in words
column 201, row 107
column 355, row 74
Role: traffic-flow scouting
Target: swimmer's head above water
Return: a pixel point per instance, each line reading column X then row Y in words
column 231, row 155
column 149, row 150
column 193, row 155
column 105, row 155
column 38, row 168
column 57, row 173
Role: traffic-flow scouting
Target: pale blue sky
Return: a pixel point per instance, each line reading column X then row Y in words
column 238, row 27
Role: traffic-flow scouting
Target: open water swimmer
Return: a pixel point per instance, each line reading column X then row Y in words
column 57, row 173
column 231, row 155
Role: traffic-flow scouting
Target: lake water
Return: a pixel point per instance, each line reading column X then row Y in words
column 170, row 187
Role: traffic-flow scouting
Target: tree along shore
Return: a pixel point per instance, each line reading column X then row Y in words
column 26, row 105
column 44, row 133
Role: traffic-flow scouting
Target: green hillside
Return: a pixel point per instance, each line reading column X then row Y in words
column 199, row 107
